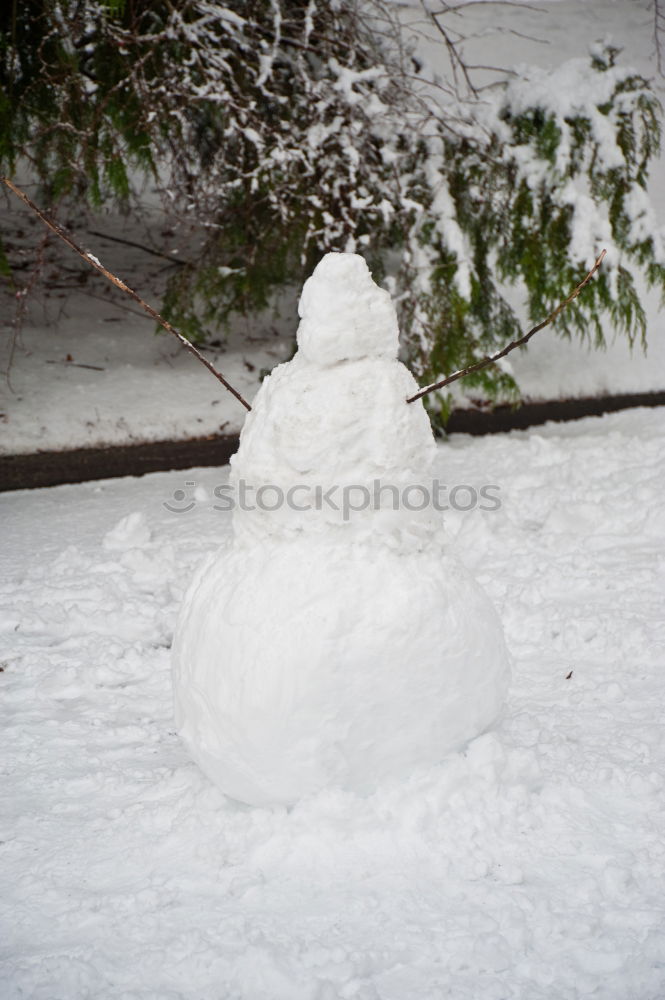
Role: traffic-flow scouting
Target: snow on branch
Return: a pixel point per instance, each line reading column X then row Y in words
column 491, row 359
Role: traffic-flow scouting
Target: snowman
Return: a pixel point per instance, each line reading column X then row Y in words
column 333, row 641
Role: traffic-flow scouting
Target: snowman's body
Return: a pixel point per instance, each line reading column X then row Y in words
column 328, row 645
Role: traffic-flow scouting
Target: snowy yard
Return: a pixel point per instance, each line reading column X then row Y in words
column 531, row 866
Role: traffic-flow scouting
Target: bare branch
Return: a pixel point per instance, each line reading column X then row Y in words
column 658, row 31
column 457, row 63
column 22, row 295
column 92, row 260
column 478, row 365
column 141, row 246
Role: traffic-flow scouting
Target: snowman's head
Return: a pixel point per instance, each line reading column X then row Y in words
column 344, row 315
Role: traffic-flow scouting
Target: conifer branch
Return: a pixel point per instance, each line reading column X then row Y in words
column 490, row 359
column 94, row 262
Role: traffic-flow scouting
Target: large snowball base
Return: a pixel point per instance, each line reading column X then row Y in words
column 281, row 691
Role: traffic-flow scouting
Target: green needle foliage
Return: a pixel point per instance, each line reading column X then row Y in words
column 551, row 172
column 285, row 129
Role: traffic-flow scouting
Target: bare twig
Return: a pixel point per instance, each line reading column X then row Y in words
column 658, row 32
column 75, row 364
column 457, row 62
column 22, row 295
column 478, row 365
column 92, row 260
column 141, row 246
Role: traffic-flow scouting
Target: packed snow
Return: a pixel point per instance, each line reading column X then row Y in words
column 344, row 315
column 531, row 865
column 334, row 648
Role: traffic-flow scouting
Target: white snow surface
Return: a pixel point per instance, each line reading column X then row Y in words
column 314, row 428
column 334, row 416
column 335, row 646
column 531, row 865
column 344, row 315
column 313, row 664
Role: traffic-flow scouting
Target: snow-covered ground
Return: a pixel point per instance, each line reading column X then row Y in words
column 95, row 374
column 531, row 866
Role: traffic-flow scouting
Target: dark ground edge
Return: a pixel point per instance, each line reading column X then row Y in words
column 53, row 468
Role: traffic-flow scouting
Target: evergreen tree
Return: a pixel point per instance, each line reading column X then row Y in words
column 290, row 127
